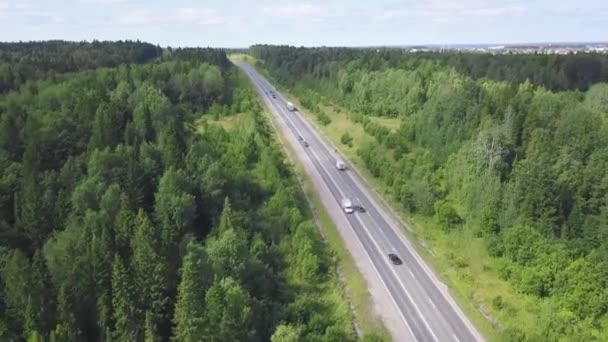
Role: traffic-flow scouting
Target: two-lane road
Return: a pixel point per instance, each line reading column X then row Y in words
column 425, row 308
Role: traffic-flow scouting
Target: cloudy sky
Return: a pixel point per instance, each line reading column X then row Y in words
column 240, row 23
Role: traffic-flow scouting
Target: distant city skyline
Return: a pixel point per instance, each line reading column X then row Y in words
column 241, row 23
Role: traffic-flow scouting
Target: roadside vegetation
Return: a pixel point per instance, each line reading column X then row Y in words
column 504, row 181
column 123, row 218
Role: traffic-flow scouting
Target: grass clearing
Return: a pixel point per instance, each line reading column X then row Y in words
column 227, row 122
column 391, row 123
column 241, row 57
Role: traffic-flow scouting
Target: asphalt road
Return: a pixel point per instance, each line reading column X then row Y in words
column 425, row 310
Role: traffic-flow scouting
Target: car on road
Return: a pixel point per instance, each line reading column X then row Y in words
column 300, row 138
column 305, row 143
column 347, row 205
column 395, row 259
column 340, row 165
column 359, row 209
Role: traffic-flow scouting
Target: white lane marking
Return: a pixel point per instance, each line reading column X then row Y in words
column 360, row 243
column 407, row 293
column 416, row 308
column 431, row 302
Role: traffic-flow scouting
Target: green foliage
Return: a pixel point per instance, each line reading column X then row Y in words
column 229, row 312
column 487, row 144
column 447, row 216
column 189, row 315
column 20, row 62
column 346, row 139
column 119, row 222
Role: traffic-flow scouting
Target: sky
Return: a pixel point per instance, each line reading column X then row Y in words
column 241, row 23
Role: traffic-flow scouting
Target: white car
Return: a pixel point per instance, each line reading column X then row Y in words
column 340, row 165
column 347, row 205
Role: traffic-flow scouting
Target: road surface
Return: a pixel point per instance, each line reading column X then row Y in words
column 422, row 309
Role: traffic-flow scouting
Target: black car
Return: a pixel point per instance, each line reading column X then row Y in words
column 305, row 144
column 360, row 209
column 395, row 259
column 300, row 138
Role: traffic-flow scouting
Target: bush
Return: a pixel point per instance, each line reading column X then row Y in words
column 498, row 303
column 447, row 216
column 322, row 117
column 346, row 139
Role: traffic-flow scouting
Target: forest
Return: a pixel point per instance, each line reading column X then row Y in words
column 551, row 71
column 513, row 149
column 122, row 220
column 22, row 62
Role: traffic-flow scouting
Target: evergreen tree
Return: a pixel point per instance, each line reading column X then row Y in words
column 127, row 315
column 226, row 217
column 104, row 128
column 42, row 297
column 150, row 270
column 230, row 316
column 124, row 226
column 190, row 322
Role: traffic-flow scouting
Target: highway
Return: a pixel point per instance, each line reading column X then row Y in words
column 409, row 296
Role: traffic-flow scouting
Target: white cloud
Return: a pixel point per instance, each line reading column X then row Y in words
column 299, row 11
column 183, row 16
column 104, row 2
column 26, row 14
column 447, row 11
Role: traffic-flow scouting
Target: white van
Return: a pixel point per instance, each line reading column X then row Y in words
column 340, row 165
column 290, row 107
column 347, row 205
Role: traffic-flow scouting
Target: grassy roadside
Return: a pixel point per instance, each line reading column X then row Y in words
column 460, row 261
column 354, row 285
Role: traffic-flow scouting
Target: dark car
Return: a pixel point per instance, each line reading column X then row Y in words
column 305, row 144
column 360, row 209
column 300, row 138
column 395, row 259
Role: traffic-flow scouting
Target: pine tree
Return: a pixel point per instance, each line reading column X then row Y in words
column 189, row 318
column 42, row 296
column 229, row 312
column 172, row 144
column 142, row 123
column 124, row 227
column 104, row 130
column 226, row 217
column 175, row 208
column 150, row 269
column 127, row 315
column 17, row 281
column 66, row 329
column 10, row 139
column 150, row 334
column 102, row 248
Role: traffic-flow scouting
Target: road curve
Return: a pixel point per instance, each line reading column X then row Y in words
column 424, row 309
